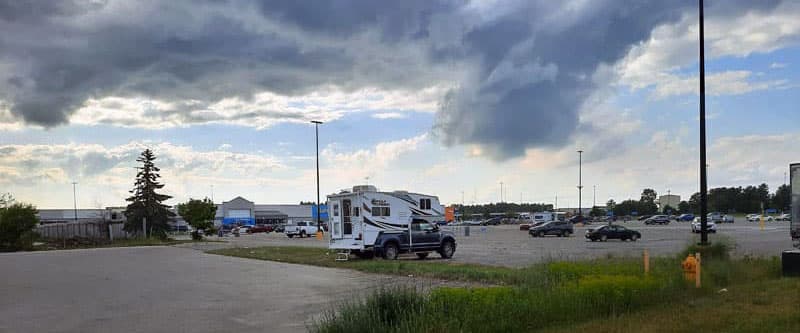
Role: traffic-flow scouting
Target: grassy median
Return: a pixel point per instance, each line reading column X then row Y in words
column 607, row 295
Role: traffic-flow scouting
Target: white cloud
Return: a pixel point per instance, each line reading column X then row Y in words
column 722, row 83
column 263, row 110
column 674, row 46
column 352, row 167
column 778, row 65
column 389, row 115
column 107, row 173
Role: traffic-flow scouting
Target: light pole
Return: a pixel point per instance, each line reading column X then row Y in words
column 316, row 132
column 594, row 196
column 580, row 184
column 75, row 201
column 501, row 192
column 703, row 174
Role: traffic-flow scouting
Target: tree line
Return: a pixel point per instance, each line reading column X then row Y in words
column 503, row 207
column 748, row 199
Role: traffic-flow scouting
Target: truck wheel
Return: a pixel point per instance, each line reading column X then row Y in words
column 302, row 233
column 290, row 235
column 564, row 233
column 447, row 250
column 541, row 233
column 422, row 255
column 390, row 251
column 603, row 238
column 634, row 238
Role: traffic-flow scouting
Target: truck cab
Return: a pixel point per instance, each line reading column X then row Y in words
column 422, row 238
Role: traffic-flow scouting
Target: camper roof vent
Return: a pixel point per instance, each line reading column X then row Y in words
column 364, row 188
column 401, row 192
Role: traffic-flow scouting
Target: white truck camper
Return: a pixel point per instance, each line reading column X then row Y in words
column 360, row 215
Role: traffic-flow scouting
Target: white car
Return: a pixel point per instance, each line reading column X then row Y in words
column 784, row 217
column 710, row 226
column 241, row 229
column 757, row 218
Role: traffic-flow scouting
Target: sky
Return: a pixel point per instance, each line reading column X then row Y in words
column 450, row 98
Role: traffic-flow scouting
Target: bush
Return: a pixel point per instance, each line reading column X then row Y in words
column 17, row 224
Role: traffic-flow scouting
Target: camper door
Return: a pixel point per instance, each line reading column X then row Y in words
column 342, row 225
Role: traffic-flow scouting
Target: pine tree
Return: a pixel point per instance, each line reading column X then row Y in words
column 146, row 202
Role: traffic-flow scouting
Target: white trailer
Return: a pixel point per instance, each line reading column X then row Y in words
column 360, row 215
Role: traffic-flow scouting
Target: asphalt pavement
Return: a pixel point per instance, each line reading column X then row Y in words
column 170, row 289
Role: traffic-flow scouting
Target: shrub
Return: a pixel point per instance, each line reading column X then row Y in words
column 17, row 224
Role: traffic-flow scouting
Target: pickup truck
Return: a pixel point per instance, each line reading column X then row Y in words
column 300, row 229
column 561, row 229
column 425, row 238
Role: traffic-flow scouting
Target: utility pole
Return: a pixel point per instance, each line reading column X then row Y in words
column 212, row 193
column 594, row 196
column 75, row 201
column 556, row 205
column 580, row 184
column 501, row 192
column 703, row 171
column 319, row 210
column 463, row 207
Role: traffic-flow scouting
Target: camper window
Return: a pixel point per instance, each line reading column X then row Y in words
column 380, row 211
column 355, row 211
column 335, row 210
column 424, row 203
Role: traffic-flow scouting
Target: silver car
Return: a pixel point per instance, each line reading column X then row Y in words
column 710, row 226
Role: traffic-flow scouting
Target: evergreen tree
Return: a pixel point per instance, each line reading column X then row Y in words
column 146, row 202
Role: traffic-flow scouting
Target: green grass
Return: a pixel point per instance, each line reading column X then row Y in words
column 609, row 295
column 771, row 305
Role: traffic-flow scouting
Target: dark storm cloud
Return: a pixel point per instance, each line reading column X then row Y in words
column 523, row 69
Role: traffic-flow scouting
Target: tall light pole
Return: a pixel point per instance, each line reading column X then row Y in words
column 319, row 211
column 75, row 201
column 501, row 192
column 580, row 184
column 703, row 174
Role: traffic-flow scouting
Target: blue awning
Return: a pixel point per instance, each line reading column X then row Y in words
column 239, row 220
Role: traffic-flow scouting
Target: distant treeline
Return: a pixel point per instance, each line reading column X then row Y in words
column 504, row 207
column 748, row 199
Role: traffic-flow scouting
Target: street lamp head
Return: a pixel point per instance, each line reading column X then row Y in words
column 316, row 122
column 580, row 151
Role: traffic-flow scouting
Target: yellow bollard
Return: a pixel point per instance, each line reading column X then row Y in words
column 762, row 223
column 699, row 264
column 319, row 235
column 646, row 258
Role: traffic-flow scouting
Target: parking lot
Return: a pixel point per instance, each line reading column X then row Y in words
column 506, row 245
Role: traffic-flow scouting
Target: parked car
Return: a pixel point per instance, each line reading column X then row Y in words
column 644, row 217
column 260, row 228
column 528, row 226
column 784, row 217
column 720, row 218
column 242, row 229
column 580, row 219
column 710, row 226
column 492, row 221
column 757, row 218
column 300, row 229
column 561, row 229
column 657, row 219
column 279, row 228
column 685, row 218
column 612, row 231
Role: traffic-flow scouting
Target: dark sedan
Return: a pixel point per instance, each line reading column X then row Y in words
column 260, row 228
column 657, row 219
column 612, row 231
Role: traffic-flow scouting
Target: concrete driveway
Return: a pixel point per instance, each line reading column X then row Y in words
column 168, row 289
